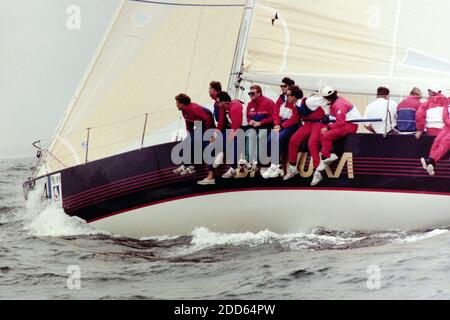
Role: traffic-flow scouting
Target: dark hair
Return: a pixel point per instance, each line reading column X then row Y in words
column 216, row 85
column 257, row 88
column 223, row 97
column 183, row 99
column 383, row 91
column 288, row 81
column 332, row 97
column 296, row 92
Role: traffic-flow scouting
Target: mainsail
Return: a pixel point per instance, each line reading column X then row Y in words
column 156, row 49
column 354, row 45
column 152, row 51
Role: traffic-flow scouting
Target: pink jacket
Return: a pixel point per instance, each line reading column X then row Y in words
column 339, row 110
column 428, row 112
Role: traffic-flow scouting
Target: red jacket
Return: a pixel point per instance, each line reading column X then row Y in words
column 293, row 120
column 339, row 110
column 261, row 110
column 411, row 102
column 234, row 111
column 429, row 112
column 194, row 112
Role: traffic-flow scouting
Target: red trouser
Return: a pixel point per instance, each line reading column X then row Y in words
column 311, row 130
column 334, row 134
column 441, row 145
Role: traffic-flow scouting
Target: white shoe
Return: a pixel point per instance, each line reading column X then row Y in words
column 292, row 171
column 218, row 161
column 273, row 172
column 424, row 163
column 207, row 182
column 188, row 171
column 430, row 169
column 231, row 173
column 180, row 170
column 324, row 164
column 316, row 179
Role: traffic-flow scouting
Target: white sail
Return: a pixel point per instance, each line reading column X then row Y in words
column 152, row 51
column 354, row 45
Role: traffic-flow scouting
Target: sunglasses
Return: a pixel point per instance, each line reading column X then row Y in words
column 251, row 94
column 283, row 86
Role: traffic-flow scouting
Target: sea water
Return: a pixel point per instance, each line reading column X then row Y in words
column 45, row 254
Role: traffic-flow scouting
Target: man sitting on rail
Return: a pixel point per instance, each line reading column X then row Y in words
column 441, row 145
column 430, row 113
column 406, row 111
column 343, row 111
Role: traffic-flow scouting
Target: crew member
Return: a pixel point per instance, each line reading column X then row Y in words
column 193, row 115
column 214, row 88
column 441, row 145
column 382, row 108
column 286, row 122
column 406, row 111
column 260, row 118
column 430, row 114
column 343, row 111
column 312, row 111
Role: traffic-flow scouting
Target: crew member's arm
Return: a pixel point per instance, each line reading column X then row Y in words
column 250, row 120
column 276, row 114
column 447, row 116
column 341, row 115
column 269, row 107
column 421, row 115
column 294, row 119
column 236, row 121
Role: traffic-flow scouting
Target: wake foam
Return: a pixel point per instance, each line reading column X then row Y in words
column 43, row 218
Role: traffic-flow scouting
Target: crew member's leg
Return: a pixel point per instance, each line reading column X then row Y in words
column 440, row 148
column 294, row 144
column 283, row 138
column 314, row 149
column 327, row 139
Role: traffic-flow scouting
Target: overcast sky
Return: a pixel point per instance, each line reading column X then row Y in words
column 41, row 64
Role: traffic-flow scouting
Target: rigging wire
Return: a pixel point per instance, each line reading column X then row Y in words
column 194, row 50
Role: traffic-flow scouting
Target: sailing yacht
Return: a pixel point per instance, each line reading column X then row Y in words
column 109, row 161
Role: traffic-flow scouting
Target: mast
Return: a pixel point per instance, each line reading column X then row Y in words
column 234, row 87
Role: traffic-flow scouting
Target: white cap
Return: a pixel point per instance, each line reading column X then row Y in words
column 435, row 88
column 327, row 91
